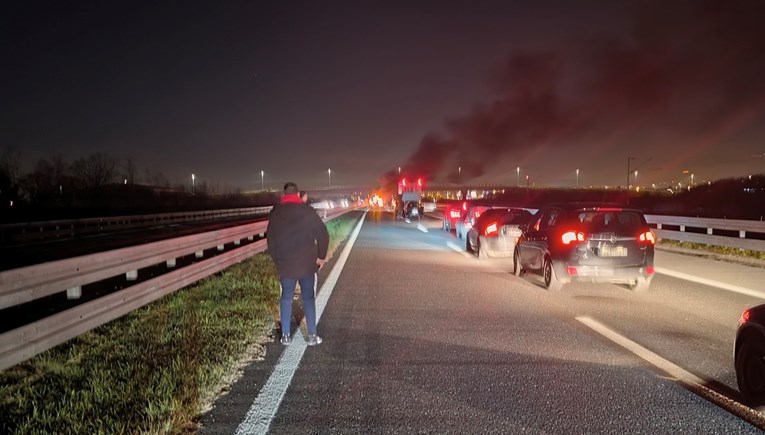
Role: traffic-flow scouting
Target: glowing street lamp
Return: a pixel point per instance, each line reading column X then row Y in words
column 329, row 177
column 193, row 177
column 636, row 174
column 518, row 176
column 261, row 180
column 577, row 178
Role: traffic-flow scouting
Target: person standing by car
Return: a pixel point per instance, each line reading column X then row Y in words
column 297, row 242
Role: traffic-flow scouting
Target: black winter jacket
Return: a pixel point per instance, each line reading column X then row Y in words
column 296, row 237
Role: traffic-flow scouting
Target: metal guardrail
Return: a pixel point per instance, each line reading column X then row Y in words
column 28, row 283
column 36, row 231
column 708, row 231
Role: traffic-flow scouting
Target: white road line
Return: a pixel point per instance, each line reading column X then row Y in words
column 457, row 249
column 709, row 282
column 691, row 381
column 422, row 228
column 654, row 359
column 263, row 409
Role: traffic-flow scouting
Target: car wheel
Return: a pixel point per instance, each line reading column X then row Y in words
column 750, row 370
column 468, row 248
column 551, row 280
column 481, row 252
column 517, row 269
column 641, row 285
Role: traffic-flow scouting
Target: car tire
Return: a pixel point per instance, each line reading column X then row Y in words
column 468, row 248
column 750, row 370
column 641, row 285
column 552, row 283
column 481, row 252
column 517, row 269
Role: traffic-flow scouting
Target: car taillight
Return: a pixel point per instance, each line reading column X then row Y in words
column 649, row 270
column 572, row 236
column 648, row 237
column 491, row 229
column 744, row 317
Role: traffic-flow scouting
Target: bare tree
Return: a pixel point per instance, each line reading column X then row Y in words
column 95, row 170
column 10, row 168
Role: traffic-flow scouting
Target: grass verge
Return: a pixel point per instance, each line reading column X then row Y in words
column 153, row 370
column 722, row 250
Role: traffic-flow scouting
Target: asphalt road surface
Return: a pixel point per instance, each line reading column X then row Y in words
column 422, row 338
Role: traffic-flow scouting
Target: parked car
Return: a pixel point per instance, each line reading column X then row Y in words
column 452, row 213
column 571, row 242
column 462, row 226
column 749, row 356
column 496, row 231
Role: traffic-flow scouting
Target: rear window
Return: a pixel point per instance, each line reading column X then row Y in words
column 504, row 217
column 596, row 221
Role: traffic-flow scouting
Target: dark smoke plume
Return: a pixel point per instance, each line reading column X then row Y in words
column 694, row 69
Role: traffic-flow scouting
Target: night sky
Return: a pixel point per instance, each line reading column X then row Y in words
column 227, row 89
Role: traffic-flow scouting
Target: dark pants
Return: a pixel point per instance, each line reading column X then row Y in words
column 308, row 293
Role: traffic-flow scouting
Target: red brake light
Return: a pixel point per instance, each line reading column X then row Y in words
column 403, row 182
column 744, row 317
column 491, row 229
column 572, row 236
column 571, row 270
column 649, row 270
column 648, row 237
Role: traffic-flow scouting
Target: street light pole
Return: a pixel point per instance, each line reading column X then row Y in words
column 518, row 176
column 192, row 183
column 636, row 174
column 262, row 186
column 329, row 177
column 629, row 159
column 577, row 178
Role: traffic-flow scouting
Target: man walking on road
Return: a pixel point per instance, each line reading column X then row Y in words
column 297, row 242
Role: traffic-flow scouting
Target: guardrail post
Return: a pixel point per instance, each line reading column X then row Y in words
column 170, row 263
column 682, row 228
column 709, row 231
column 132, row 275
column 220, row 247
column 658, row 226
column 742, row 234
column 199, row 254
column 74, row 292
column 250, row 238
column 238, row 242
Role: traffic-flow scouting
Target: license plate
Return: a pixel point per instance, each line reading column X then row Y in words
column 612, row 251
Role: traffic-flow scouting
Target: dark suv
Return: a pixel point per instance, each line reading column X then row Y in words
column 572, row 242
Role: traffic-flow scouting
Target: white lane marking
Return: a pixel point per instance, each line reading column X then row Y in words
column 264, row 407
column 457, row 249
column 652, row 358
column 691, row 381
column 709, row 282
column 422, row 228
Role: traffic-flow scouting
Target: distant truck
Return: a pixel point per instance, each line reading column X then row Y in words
column 410, row 193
